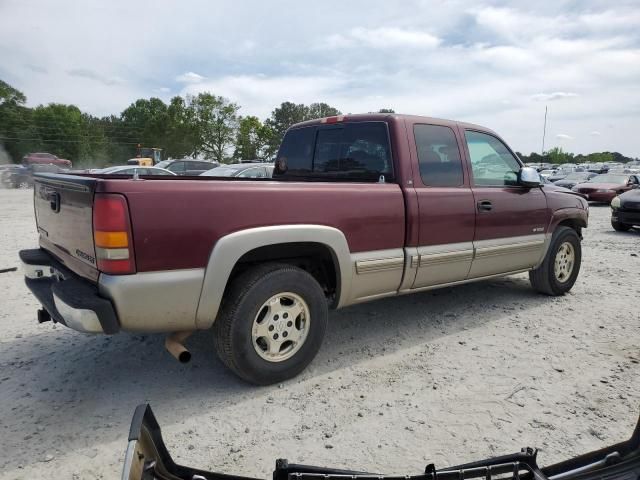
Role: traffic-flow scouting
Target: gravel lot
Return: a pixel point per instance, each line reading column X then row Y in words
column 447, row 376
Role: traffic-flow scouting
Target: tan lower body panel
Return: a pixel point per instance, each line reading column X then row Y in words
column 384, row 273
column 497, row 256
column 376, row 274
column 443, row 264
column 462, row 282
column 155, row 301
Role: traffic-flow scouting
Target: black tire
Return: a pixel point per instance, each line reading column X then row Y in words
column 543, row 279
column 245, row 299
column 620, row 227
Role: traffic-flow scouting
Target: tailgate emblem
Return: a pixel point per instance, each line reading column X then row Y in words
column 54, row 201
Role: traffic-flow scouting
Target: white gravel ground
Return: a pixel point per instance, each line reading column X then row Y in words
column 447, row 376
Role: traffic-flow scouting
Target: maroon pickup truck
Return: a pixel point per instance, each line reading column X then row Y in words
column 359, row 208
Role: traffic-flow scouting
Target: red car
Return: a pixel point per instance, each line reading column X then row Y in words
column 45, row 159
column 603, row 188
column 359, row 207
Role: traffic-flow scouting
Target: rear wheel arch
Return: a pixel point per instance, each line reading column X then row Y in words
column 328, row 261
column 317, row 259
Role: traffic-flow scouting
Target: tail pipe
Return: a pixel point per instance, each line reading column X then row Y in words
column 174, row 345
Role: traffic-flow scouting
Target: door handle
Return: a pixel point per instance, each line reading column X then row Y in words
column 485, row 206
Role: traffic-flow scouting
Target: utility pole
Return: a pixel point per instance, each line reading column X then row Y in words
column 544, row 130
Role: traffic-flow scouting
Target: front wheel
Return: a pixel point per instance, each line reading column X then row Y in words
column 271, row 324
column 620, row 227
column 561, row 265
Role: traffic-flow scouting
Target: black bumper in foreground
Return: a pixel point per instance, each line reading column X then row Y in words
column 628, row 217
column 67, row 297
column 147, row 457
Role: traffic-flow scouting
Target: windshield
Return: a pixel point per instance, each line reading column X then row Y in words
column 221, row 172
column 575, row 176
column 621, row 179
column 163, row 164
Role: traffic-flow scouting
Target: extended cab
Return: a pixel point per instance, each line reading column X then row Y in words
column 360, row 207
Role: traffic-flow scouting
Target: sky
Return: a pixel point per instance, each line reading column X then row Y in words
column 495, row 63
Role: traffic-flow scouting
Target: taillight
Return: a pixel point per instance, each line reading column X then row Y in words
column 336, row 119
column 112, row 234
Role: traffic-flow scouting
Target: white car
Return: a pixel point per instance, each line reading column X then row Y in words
column 129, row 170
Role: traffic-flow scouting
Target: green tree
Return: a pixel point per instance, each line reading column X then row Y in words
column 285, row 115
column 386, row 110
column 252, row 139
column 216, row 121
column 14, row 120
column 146, row 120
column 182, row 132
column 289, row 113
column 10, row 95
column 320, row 110
column 558, row 156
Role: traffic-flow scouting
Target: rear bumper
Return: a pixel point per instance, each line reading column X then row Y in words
column 626, row 217
column 164, row 301
column 68, row 298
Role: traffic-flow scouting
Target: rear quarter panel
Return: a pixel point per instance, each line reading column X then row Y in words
column 177, row 222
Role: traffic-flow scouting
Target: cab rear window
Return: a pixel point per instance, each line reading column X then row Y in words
column 350, row 151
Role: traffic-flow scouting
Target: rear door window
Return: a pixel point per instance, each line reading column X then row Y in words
column 350, row 151
column 438, row 156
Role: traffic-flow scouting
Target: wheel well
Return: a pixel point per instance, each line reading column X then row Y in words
column 573, row 223
column 315, row 258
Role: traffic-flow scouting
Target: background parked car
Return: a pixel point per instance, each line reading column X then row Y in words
column 603, row 188
column 22, row 176
column 128, row 170
column 547, row 173
column 246, row 170
column 625, row 211
column 560, row 174
column 43, row 158
column 187, row 166
column 574, row 178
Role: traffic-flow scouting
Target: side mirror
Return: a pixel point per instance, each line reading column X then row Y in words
column 529, row 177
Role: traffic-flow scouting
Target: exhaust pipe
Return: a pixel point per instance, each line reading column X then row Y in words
column 173, row 344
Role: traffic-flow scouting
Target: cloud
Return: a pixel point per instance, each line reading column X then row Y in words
column 36, row 68
column 564, row 136
column 190, row 77
column 249, row 90
column 91, row 75
column 553, row 96
column 595, row 133
column 496, row 63
column 384, row 37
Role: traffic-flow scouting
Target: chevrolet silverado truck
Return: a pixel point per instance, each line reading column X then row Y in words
column 359, row 208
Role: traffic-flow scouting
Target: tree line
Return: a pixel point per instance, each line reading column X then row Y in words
column 558, row 156
column 203, row 125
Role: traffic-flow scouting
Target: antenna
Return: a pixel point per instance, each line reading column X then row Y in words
column 544, row 130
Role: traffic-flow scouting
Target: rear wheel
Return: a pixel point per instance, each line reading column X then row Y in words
column 559, row 270
column 272, row 323
column 620, row 227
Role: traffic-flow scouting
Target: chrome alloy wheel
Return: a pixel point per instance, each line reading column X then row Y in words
column 281, row 327
column 564, row 262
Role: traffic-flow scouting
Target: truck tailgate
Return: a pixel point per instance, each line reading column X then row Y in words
column 63, row 208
